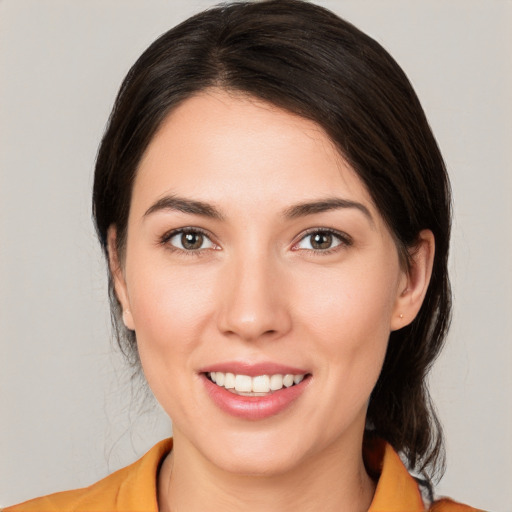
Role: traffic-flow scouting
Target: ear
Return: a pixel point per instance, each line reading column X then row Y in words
column 116, row 269
column 414, row 285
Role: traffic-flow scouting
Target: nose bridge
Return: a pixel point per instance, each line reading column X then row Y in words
column 253, row 300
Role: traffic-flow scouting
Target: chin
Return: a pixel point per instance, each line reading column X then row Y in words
column 259, row 465
column 257, row 455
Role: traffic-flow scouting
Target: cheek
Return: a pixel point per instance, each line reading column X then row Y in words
column 169, row 307
column 349, row 314
column 170, row 311
column 361, row 298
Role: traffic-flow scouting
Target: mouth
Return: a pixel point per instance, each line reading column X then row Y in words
column 255, row 390
column 258, row 385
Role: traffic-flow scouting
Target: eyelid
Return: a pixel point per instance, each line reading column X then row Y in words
column 344, row 239
column 164, row 239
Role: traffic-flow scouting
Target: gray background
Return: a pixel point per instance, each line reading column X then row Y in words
column 68, row 411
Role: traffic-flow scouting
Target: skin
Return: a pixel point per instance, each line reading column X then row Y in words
column 258, row 290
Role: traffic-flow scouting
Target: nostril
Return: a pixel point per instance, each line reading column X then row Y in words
column 251, row 313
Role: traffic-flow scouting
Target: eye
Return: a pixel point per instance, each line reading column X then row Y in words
column 189, row 240
column 322, row 240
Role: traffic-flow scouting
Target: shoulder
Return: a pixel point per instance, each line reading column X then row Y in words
column 448, row 505
column 396, row 489
column 131, row 488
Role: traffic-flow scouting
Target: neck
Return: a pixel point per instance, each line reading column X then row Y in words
column 332, row 482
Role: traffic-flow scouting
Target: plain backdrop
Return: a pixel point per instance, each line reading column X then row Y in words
column 68, row 411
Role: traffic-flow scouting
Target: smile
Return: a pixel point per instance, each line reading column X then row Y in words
column 259, row 385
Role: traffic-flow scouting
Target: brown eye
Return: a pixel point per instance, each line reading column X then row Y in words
column 190, row 241
column 321, row 241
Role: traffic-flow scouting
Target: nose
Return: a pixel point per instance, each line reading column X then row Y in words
column 254, row 300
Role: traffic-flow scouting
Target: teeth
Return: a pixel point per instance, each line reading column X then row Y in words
column 261, row 384
column 276, row 382
column 220, row 378
column 244, row 384
column 288, row 380
column 298, row 379
column 229, row 380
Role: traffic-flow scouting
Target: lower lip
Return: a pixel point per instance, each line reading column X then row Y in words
column 254, row 407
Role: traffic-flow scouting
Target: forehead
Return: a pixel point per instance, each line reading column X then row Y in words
column 223, row 147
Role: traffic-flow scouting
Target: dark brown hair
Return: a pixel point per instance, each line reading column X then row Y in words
column 303, row 58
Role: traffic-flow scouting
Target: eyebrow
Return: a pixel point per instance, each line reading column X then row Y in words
column 194, row 207
column 325, row 205
column 181, row 204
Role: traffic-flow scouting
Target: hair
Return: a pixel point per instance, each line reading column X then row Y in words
column 306, row 60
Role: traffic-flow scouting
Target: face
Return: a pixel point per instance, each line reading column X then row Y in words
column 255, row 258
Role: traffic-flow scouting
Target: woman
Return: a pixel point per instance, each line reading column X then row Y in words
column 276, row 215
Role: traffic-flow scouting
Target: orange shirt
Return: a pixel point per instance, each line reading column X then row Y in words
column 133, row 488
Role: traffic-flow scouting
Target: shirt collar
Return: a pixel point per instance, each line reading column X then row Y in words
column 396, row 489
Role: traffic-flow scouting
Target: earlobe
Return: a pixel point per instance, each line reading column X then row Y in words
column 116, row 270
column 128, row 319
column 412, row 293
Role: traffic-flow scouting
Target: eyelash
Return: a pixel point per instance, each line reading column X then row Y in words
column 343, row 239
column 184, row 231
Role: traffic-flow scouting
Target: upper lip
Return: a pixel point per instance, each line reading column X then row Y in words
column 253, row 369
